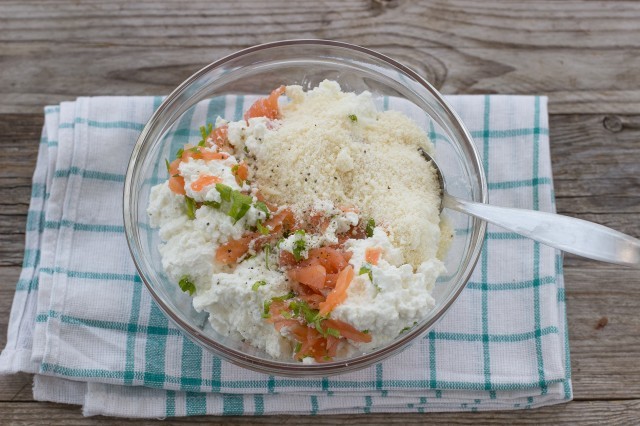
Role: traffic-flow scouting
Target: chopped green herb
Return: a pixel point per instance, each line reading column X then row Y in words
column 213, row 204
column 190, row 203
column 295, row 307
column 267, row 253
column 369, row 229
column 267, row 307
column 279, row 243
column 365, row 331
column 318, row 325
column 299, row 246
column 261, row 228
column 257, row 284
column 245, row 149
column 225, row 191
column 310, row 315
column 353, row 118
column 234, row 169
column 262, row 207
column 366, row 269
column 187, row 285
column 176, row 175
column 205, row 132
column 195, row 149
column 283, row 297
column 298, row 347
column 179, row 153
column 168, row 165
column 240, row 205
column 286, row 314
column 332, row 332
column 407, row 328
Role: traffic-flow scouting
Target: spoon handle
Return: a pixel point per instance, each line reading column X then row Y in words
column 573, row 235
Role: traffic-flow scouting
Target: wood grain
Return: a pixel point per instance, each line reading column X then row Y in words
column 589, row 413
column 583, row 54
column 570, row 51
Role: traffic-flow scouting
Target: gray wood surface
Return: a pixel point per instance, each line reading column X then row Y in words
column 584, row 55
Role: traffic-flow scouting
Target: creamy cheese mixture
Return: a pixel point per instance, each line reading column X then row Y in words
column 310, row 228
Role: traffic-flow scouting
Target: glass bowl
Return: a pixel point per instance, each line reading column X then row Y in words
column 220, row 88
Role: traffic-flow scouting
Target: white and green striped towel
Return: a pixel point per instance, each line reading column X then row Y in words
column 84, row 323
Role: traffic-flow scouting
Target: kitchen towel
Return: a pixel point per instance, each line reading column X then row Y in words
column 83, row 322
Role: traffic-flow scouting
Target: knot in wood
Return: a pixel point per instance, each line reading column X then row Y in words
column 612, row 123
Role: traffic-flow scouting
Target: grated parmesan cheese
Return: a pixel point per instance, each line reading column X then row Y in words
column 320, row 152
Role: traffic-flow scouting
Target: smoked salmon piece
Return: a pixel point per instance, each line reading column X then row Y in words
column 372, row 255
column 347, row 330
column 176, row 182
column 266, row 107
column 210, row 155
column 314, row 276
column 241, row 173
column 339, row 293
column 204, row 180
column 232, row 250
column 219, row 137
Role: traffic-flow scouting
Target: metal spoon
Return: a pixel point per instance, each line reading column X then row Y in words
column 577, row 236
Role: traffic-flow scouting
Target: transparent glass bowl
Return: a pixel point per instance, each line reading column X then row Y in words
column 256, row 71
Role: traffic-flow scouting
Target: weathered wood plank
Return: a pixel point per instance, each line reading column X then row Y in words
column 16, row 387
column 588, row 413
column 584, row 63
column 604, row 356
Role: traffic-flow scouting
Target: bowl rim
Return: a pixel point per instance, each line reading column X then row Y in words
column 299, row 369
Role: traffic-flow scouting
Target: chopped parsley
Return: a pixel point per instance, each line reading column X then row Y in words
column 179, row 153
column 261, row 228
column 366, row 269
column 332, row 332
column 214, row 204
column 369, row 229
column 299, row 246
column 187, row 285
column 262, row 207
column 298, row 347
column 301, row 307
column 225, row 191
column 240, row 205
column 257, row 285
column 267, row 253
column 205, row 132
column 287, row 296
column 168, row 165
column 404, row 330
column 267, row 307
column 190, row 203
column 353, row 118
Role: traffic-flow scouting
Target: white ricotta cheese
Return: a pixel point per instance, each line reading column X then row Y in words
column 334, row 158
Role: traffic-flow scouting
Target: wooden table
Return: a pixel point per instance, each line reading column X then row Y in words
column 585, row 55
